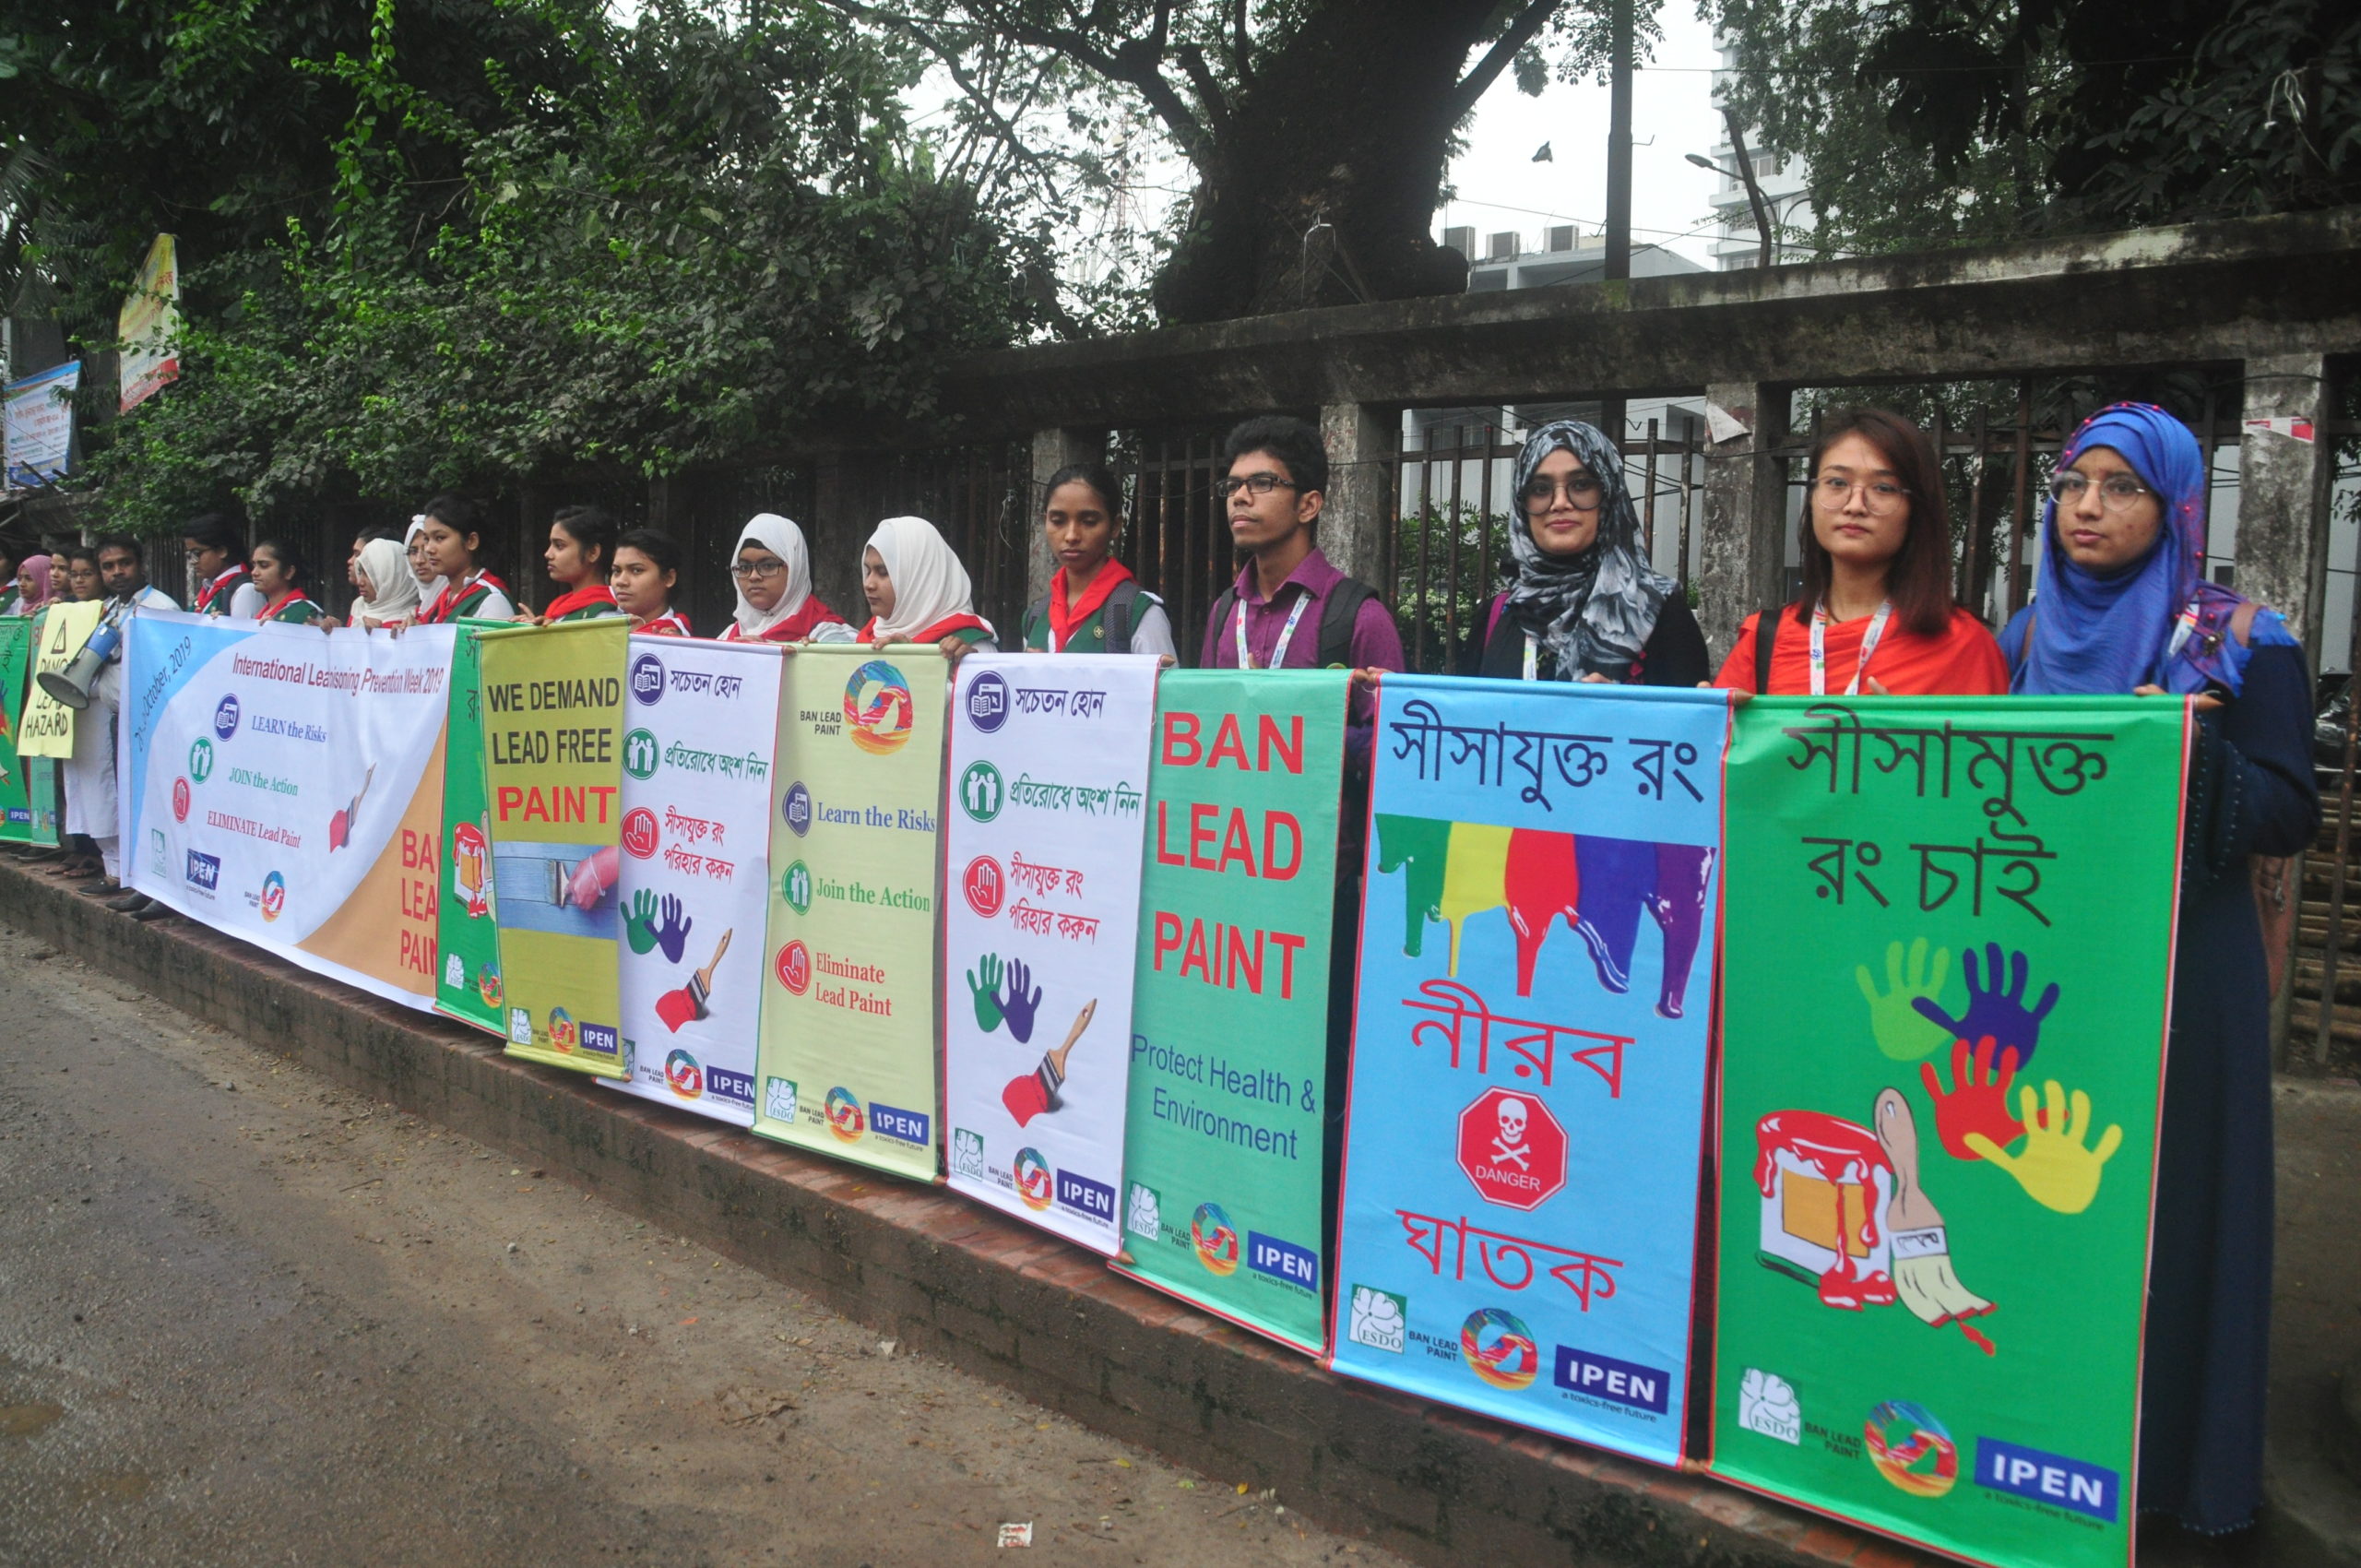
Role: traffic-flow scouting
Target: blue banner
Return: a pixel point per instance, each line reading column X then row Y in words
column 1527, row 1097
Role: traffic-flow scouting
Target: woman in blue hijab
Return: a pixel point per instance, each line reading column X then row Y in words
column 2123, row 606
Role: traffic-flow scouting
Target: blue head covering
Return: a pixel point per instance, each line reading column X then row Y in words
column 2097, row 635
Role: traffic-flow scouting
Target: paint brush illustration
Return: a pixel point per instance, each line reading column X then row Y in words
column 1036, row 1093
column 687, row 1004
column 341, row 824
column 1923, row 1276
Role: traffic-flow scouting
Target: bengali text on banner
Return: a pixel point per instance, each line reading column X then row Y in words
column 1049, row 786
column 1529, row 1053
column 1939, row 1093
column 696, row 804
column 847, row 1063
column 28, row 785
column 467, row 985
column 1222, row 1146
column 286, row 785
column 552, row 739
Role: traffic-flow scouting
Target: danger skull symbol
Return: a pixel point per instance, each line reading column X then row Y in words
column 1510, row 1147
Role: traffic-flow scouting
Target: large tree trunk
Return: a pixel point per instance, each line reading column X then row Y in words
column 1348, row 122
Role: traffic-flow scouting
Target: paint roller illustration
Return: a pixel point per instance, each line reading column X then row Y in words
column 691, row 1003
column 1036, row 1093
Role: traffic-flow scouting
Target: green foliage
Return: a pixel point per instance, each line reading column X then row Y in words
column 717, row 231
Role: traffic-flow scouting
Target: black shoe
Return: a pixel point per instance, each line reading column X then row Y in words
column 129, row 904
column 152, row 910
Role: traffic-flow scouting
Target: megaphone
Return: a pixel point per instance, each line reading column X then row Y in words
column 71, row 685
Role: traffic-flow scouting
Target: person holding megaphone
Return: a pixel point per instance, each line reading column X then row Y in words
column 90, row 772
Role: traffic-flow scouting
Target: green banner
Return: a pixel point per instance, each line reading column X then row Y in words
column 1229, row 1019
column 467, row 939
column 847, row 1061
column 1949, row 942
column 28, row 785
column 553, row 748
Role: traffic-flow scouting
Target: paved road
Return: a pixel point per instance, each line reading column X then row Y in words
column 249, row 1318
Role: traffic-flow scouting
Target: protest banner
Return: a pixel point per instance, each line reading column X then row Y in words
column 37, row 424
column 148, row 327
column 848, row 1056
column 1048, row 769
column 286, row 785
column 47, row 730
column 1527, row 1101
column 1939, row 1091
column 553, row 748
column 28, row 785
column 1224, row 1151
column 466, row 935
column 696, row 890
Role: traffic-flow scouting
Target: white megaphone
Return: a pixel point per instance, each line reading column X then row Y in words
column 71, row 685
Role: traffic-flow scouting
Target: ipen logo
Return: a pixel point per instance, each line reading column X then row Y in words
column 796, row 809
column 736, row 1087
column 600, row 1039
column 2053, row 1479
column 204, row 870
column 647, row 680
column 1621, row 1383
column 904, row 1126
column 1282, row 1261
column 988, row 701
column 1084, row 1195
column 225, row 717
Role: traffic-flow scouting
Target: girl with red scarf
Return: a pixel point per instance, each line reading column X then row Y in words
column 451, row 541
column 581, row 551
column 648, row 567
column 918, row 593
column 279, row 573
column 772, row 568
column 1094, row 605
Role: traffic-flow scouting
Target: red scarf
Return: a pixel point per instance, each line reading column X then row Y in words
column 933, row 633
column 667, row 625
column 270, row 611
column 567, row 604
column 446, row 604
column 206, row 595
column 1063, row 621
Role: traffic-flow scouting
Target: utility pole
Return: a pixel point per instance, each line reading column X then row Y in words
column 1618, row 177
column 1753, row 187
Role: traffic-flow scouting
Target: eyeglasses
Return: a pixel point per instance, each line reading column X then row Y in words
column 1583, row 490
column 2118, row 493
column 757, row 571
column 1880, row 494
column 1259, row 485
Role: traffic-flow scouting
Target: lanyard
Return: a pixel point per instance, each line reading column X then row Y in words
column 1869, row 640
column 1531, row 657
column 2184, row 627
column 1287, row 634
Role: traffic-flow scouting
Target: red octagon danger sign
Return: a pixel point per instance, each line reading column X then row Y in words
column 1512, row 1149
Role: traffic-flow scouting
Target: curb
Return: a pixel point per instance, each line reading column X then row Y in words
column 986, row 1294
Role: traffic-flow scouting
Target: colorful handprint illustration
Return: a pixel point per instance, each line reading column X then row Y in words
column 1995, row 1005
column 2056, row 1168
column 1897, row 1019
column 1003, row 993
column 651, row 925
column 1977, row 1100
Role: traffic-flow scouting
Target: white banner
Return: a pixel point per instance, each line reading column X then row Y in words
column 37, row 424
column 1049, row 786
column 285, row 785
column 148, row 326
column 698, row 732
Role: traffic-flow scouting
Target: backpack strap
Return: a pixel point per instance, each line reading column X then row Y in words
column 2242, row 622
column 1036, row 615
column 1223, row 608
column 1766, row 635
column 1337, row 613
column 1118, row 614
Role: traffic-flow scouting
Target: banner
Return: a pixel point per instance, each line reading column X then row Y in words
column 1049, row 777
column 147, row 326
column 1224, row 1148
column 847, row 1057
column 1943, row 1022
column 696, row 863
column 1528, row 1099
column 467, row 937
column 28, row 785
column 552, row 745
column 286, row 785
column 37, row 424
column 48, row 727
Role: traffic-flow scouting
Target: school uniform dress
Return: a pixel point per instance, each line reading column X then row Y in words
column 809, row 617
column 482, row 598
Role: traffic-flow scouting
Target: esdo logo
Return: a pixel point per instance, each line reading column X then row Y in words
column 647, row 680
column 988, row 701
column 639, row 835
column 225, row 716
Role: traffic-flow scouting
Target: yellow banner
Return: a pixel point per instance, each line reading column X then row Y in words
column 48, row 728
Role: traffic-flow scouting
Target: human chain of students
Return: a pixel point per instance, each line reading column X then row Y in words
column 2125, row 611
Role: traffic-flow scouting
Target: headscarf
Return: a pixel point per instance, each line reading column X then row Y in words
column 929, row 585
column 431, row 589
column 383, row 562
column 38, row 566
column 1593, row 611
column 784, row 540
column 2093, row 634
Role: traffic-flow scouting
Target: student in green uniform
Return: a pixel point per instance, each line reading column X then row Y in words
column 280, row 574
column 580, row 554
column 918, row 593
column 451, row 545
column 1094, row 605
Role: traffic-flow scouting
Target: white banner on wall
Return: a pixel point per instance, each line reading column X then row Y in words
column 285, row 785
column 700, row 720
column 1044, row 830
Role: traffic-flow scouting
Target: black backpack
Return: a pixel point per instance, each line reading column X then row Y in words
column 1117, row 611
column 1337, row 613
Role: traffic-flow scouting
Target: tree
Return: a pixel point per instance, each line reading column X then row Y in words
column 1318, row 131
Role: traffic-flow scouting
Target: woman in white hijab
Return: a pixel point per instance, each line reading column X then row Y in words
column 772, row 566
column 431, row 583
column 388, row 586
column 918, row 593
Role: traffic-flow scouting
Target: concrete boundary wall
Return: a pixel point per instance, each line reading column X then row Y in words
column 994, row 1297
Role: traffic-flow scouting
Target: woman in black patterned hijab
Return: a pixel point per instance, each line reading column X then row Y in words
column 1585, row 605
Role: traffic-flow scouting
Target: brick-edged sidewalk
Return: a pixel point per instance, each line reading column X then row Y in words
column 954, row 1280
